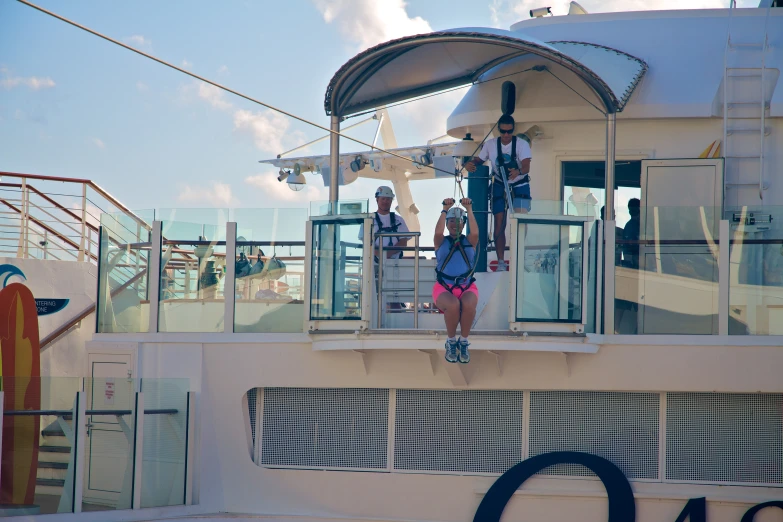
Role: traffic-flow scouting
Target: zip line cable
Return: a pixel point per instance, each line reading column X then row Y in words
column 223, row 87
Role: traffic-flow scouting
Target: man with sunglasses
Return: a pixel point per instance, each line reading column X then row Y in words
column 514, row 155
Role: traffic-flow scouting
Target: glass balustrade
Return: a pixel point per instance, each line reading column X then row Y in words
column 192, row 270
column 667, row 272
column 270, row 267
column 756, row 271
column 76, row 445
column 123, row 282
column 666, row 275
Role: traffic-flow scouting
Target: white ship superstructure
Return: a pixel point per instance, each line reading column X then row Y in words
column 247, row 363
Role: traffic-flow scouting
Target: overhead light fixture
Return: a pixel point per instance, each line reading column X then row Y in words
column 426, row 158
column 296, row 181
column 541, row 11
column 282, row 175
column 297, row 169
column 576, row 9
column 358, row 164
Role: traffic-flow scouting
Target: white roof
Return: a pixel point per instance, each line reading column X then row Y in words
column 427, row 63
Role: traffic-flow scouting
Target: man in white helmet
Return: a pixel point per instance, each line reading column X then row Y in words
column 386, row 221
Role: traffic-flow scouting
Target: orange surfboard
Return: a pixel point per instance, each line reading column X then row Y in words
column 20, row 368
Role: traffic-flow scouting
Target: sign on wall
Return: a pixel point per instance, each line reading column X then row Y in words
column 45, row 306
column 622, row 506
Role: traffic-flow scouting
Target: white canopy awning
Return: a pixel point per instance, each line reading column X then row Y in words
column 423, row 64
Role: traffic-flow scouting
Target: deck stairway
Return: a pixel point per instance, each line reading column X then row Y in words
column 747, row 89
column 54, row 451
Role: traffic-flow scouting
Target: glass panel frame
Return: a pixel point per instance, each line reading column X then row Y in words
column 568, row 230
column 323, row 301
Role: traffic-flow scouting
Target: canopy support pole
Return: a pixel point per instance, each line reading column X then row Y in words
column 609, row 223
column 334, row 164
column 611, row 135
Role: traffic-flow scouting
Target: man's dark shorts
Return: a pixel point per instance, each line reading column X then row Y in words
column 521, row 195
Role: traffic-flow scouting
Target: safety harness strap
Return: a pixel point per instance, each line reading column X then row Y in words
column 440, row 275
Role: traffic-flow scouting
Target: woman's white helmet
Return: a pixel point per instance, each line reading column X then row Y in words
column 456, row 213
column 384, row 192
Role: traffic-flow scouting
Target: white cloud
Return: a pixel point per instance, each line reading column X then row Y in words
column 370, row 22
column 223, row 69
column 278, row 192
column 217, row 194
column 186, row 64
column 142, row 87
column 505, row 13
column 138, row 41
column 32, row 82
column 268, row 129
column 98, row 143
column 213, row 96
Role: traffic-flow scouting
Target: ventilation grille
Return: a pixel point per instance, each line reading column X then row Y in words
column 325, row 427
column 462, row 431
column 723, row 437
column 252, row 393
column 621, row 427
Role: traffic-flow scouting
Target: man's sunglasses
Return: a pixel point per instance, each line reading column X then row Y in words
column 506, row 131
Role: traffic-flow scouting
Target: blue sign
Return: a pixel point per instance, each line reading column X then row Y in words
column 45, row 306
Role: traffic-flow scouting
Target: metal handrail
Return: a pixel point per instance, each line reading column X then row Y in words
column 62, row 413
column 97, row 188
column 400, row 235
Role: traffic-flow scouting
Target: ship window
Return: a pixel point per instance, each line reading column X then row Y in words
column 581, row 178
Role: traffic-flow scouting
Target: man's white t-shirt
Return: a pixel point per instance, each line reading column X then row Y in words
column 386, row 222
column 490, row 151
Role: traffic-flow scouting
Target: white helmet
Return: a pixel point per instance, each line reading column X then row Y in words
column 384, row 192
column 456, row 213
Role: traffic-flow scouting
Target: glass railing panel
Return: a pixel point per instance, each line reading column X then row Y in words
column 38, row 464
column 208, row 224
column 123, row 281
column 164, row 451
column 344, row 207
column 269, row 285
column 108, row 459
column 666, row 275
column 549, row 268
column 756, row 271
column 337, row 269
column 192, row 280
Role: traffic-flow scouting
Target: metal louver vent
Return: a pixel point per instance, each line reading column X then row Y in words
column 325, row 427
column 467, row 431
column 724, row 437
column 252, row 393
column 621, row 427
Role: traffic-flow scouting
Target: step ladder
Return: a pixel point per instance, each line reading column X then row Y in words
column 745, row 109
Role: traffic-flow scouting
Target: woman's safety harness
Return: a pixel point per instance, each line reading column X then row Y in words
column 464, row 280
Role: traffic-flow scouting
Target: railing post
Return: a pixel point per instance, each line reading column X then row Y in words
column 154, row 276
column 80, row 436
column 724, row 278
column 415, row 284
column 84, row 223
column 609, row 256
column 138, row 449
column 20, row 252
column 229, row 288
column 190, row 448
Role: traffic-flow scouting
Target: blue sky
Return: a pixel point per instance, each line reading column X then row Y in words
column 74, row 105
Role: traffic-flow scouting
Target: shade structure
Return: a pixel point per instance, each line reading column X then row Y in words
column 423, row 64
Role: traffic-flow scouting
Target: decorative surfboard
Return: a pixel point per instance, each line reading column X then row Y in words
column 20, row 368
